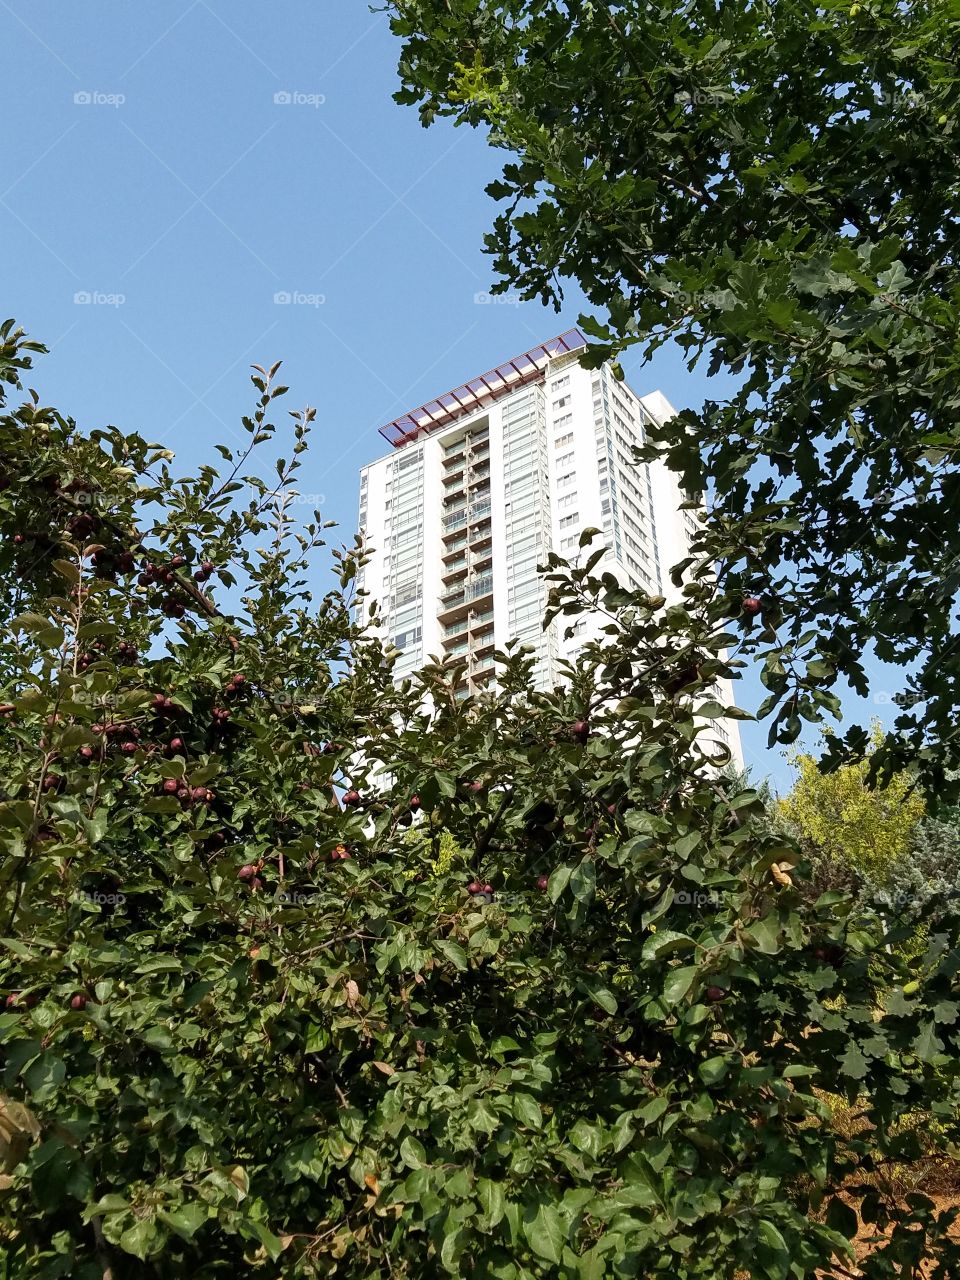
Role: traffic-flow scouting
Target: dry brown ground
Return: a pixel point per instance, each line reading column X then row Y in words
column 868, row 1239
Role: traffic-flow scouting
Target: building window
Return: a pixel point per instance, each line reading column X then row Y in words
column 559, row 383
column 407, row 638
column 567, row 521
column 561, row 442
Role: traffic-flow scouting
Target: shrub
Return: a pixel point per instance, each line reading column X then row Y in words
column 238, row 1037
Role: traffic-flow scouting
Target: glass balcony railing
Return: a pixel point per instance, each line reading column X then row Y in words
column 455, row 521
column 469, row 591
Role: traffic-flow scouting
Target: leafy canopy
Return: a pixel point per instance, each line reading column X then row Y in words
column 775, row 187
column 239, row 1037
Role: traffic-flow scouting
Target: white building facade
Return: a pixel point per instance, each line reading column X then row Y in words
column 484, row 482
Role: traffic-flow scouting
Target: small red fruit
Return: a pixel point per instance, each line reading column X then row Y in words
column 207, row 567
column 183, row 793
column 158, row 702
column 543, row 882
column 86, row 753
column 247, row 872
column 715, row 994
column 171, row 786
column 414, row 803
column 176, row 744
column 351, row 797
column 340, row 853
column 128, row 748
column 580, row 730
column 752, row 605
column 474, row 887
column 177, row 562
column 79, row 1001
column 475, row 787
column 13, row 1000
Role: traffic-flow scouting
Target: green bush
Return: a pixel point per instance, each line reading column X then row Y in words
column 240, row 1038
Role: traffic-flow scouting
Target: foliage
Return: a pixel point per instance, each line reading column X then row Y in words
column 774, row 186
column 439, row 844
column 924, row 885
column 855, row 831
column 239, row 1038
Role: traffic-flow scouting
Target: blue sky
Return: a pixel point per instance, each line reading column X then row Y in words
column 181, row 164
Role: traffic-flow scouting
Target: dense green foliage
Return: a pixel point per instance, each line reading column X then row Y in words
column 775, row 186
column 227, row 1048
column 855, row 831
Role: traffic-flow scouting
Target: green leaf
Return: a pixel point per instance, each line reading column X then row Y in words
column 454, row 953
column 139, row 1239
column 544, row 1232
column 664, row 942
column 491, row 1200
column 853, row 1063
column 527, row 1110
column 927, row 1044
column 412, row 1153
column 186, row 1221
column 679, row 982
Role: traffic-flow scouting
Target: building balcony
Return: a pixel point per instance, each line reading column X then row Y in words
column 466, row 593
column 483, row 643
column 453, row 572
column 481, row 537
column 454, row 521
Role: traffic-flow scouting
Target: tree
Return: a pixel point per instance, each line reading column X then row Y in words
column 856, row 831
column 239, row 1037
column 773, row 186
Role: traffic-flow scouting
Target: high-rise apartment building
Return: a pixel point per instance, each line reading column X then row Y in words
column 483, row 482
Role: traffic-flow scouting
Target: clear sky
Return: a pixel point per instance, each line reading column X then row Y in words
column 172, row 169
